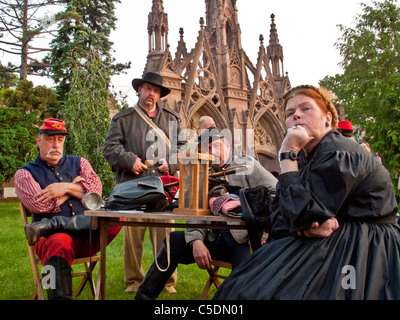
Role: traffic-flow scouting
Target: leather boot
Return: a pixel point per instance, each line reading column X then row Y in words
column 155, row 280
column 57, row 272
column 46, row 227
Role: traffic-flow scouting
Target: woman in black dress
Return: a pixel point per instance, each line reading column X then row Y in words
column 334, row 234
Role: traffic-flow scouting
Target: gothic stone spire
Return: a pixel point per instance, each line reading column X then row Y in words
column 275, row 50
column 158, row 27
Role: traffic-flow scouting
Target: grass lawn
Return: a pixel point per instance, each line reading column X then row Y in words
column 16, row 279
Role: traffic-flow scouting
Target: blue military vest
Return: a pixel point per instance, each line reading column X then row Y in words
column 65, row 171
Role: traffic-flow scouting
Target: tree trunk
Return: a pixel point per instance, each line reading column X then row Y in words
column 23, row 75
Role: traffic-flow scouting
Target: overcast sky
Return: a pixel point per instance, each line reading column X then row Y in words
column 307, row 31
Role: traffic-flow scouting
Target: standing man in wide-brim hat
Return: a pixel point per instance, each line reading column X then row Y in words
column 142, row 141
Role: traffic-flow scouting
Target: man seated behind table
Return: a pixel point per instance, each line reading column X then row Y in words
column 203, row 245
column 52, row 187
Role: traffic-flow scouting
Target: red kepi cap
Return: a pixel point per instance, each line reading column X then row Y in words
column 53, row 126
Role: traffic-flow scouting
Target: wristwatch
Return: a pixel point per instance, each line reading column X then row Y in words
column 292, row 155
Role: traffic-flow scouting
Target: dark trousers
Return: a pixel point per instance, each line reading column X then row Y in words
column 154, row 281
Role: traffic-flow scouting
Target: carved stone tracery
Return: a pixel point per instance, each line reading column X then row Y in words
column 217, row 78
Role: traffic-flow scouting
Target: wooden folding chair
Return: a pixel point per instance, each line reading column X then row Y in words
column 89, row 263
column 214, row 276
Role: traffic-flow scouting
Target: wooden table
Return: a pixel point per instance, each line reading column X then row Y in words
column 104, row 219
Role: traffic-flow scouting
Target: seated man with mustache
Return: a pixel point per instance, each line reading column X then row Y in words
column 52, row 187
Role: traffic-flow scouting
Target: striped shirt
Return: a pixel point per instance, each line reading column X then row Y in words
column 26, row 188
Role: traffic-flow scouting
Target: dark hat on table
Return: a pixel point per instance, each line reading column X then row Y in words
column 154, row 79
column 53, row 127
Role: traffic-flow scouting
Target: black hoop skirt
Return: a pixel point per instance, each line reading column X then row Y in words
column 294, row 268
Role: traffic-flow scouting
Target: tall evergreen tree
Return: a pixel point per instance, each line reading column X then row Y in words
column 85, row 28
column 87, row 116
column 82, row 68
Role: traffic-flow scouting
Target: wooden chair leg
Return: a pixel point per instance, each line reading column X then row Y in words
column 97, row 290
column 81, row 285
column 38, row 293
column 211, row 280
column 206, row 289
column 92, row 285
column 214, row 277
column 86, row 277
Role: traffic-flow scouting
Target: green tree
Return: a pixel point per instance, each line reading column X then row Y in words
column 82, row 66
column 17, row 140
column 86, row 27
column 369, row 88
column 27, row 98
column 7, row 79
column 21, row 111
column 87, row 116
